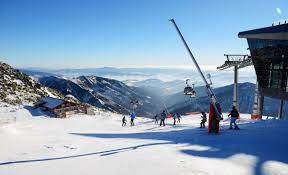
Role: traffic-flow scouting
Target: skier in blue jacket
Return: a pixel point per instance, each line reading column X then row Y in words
column 174, row 118
column 132, row 117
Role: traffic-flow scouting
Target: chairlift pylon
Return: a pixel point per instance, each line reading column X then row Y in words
column 188, row 90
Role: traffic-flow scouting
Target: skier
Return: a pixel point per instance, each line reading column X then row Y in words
column 204, row 119
column 163, row 116
column 124, row 121
column 156, row 118
column 178, row 117
column 234, row 115
column 174, row 118
column 132, row 117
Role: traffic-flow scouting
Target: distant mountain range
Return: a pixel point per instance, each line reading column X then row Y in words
column 166, row 87
column 225, row 97
column 105, row 93
column 153, row 94
column 38, row 74
column 168, row 77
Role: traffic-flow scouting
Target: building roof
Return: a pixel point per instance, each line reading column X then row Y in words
column 51, row 102
column 278, row 32
column 70, row 97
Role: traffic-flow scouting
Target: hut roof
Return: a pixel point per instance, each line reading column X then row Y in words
column 51, row 102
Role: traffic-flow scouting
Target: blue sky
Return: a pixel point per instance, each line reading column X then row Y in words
column 128, row 33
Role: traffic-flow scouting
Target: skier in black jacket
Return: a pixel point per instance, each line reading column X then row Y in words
column 156, row 118
column 163, row 117
column 178, row 117
column 204, row 119
column 234, row 115
column 124, row 121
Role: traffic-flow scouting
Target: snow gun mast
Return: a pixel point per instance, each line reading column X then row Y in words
column 209, row 91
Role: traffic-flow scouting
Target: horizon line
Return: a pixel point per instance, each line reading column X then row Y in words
column 204, row 67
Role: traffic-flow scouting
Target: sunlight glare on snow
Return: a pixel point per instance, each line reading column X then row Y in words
column 274, row 167
column 244, row 159
column 198, row 148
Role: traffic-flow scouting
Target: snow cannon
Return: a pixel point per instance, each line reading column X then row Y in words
column 213, row 122
column 215, row 114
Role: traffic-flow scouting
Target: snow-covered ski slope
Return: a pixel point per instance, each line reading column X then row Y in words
column 84, row 145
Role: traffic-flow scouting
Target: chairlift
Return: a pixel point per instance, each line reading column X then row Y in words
column 134, row 103
column 188, row 90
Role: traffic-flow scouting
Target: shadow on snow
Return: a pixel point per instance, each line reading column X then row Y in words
column 100, row 153
column 249, row 141
column 36, row 112
column 224, row 145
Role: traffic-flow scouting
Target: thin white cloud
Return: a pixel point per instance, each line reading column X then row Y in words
column 279, row 11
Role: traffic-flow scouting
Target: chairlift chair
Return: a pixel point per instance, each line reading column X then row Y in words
column 188, row 90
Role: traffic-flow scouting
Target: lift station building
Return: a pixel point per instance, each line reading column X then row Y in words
column 269, row 52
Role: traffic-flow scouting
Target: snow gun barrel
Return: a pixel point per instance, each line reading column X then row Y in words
column 210, row 93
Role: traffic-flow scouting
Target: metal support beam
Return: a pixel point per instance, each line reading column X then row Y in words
column 261, row 104
column 281, row 109
column 233, row 59
column 256, row 108
column 235, row 94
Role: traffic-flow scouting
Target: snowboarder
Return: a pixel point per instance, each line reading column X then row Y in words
column 204, row 119
column 174, row 118
column 132, row 117
column 163, row 116
column 234, row 115
column 124, row 121
column 178, row 117
column 156, row 118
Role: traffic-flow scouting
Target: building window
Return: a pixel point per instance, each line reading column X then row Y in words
column 276, row 74
column 286, row 79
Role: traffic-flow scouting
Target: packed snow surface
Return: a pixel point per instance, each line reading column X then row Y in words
column 82, row 145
